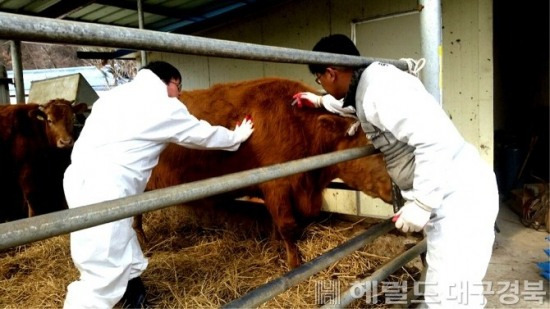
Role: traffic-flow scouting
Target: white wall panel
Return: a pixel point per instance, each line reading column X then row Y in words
column 466, row 61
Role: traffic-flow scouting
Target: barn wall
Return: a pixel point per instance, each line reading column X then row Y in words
column 296, row 25
column 467, row 60
column 468, row 70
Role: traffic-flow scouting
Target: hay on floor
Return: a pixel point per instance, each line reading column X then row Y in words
column 206, row 258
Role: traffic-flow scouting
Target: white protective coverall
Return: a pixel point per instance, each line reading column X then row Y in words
column 448, row 175
column 113, row 157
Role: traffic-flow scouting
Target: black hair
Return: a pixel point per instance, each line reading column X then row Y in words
column 164, row 70
column 335, row 44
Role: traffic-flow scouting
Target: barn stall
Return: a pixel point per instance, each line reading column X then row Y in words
column 247, row 277
column 45, row 224
column 17, row 230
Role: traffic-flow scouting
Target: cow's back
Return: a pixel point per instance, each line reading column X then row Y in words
column 278, row 134
column 276, row 122
column 282, row 133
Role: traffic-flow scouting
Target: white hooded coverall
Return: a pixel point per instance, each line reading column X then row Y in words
column 113, row 157
column 448, row 175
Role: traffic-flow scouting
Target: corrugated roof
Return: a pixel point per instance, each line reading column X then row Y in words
column 177, row 16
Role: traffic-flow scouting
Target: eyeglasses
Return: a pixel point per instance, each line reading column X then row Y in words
column 177, row 85
column 331, row 70
column 317, row 79
column 318, row 76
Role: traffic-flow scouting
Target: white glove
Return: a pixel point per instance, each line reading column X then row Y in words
column 412, row 217
column 307, row 99
column 244, row 129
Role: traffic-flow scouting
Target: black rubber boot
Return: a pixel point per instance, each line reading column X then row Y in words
column 135, row 296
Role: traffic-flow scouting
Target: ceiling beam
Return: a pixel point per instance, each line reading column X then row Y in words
column 252, row 8
column 64, row 8
column 176, row 13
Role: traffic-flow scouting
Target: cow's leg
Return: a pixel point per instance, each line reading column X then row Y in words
column 275, row 235
column 279, row 204
column 12, row 199
column 29, row 190
column 29, row 209
column 14, row 206
column 138, row 227
column 308, row 202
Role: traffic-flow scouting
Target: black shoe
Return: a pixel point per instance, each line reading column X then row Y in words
column 134, row 297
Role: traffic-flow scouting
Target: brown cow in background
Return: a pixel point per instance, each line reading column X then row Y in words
column 282, row 133
column 35, row 145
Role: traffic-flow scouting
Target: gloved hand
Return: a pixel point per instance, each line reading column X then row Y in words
column 307, row 99
column 412, row 217
column 244, row 129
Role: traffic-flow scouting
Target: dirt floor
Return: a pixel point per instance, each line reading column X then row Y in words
column 513, row 273
column 205, row 259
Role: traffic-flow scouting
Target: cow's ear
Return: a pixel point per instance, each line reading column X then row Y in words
column 80, row 108
column 332, row 123
column 37, row 113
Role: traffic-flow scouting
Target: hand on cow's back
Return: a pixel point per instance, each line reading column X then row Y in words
column 244, row 129
column 306, row 99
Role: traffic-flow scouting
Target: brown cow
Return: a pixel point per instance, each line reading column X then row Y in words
column 282, row 133
column 35, row 144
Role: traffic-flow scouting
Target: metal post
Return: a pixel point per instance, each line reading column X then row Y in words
column 292, row 278
column 141, row 26
column 23, row 231
column 29, row 28
column 4, row 86
column 430, row 35
column 15, row 48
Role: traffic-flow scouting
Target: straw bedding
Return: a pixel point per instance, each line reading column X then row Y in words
column 205, row 258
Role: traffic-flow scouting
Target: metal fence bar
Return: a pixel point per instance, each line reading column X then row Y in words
column 44, row 226
column 359, row 289
column 37, row 29
column 294, row 277
column 40, row 29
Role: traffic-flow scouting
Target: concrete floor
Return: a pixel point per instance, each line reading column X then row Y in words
column 517, row 250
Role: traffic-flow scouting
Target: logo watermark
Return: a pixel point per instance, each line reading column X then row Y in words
column 327, row 292
column 396, row 293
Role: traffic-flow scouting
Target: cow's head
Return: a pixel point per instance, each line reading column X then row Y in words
column 59, row 116
column 367, row 174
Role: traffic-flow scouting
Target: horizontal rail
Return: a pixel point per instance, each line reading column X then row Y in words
column 360, row 288
column 40, row 29
column 60, row 222
column 269, row 290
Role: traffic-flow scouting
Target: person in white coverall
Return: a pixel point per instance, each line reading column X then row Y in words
column 113, row 157
column 449, row 191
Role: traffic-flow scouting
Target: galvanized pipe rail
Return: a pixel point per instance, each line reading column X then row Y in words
column 52, row 224
column 271, row 289
column 47, row 30
column 38, row 29
column 360, row 288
